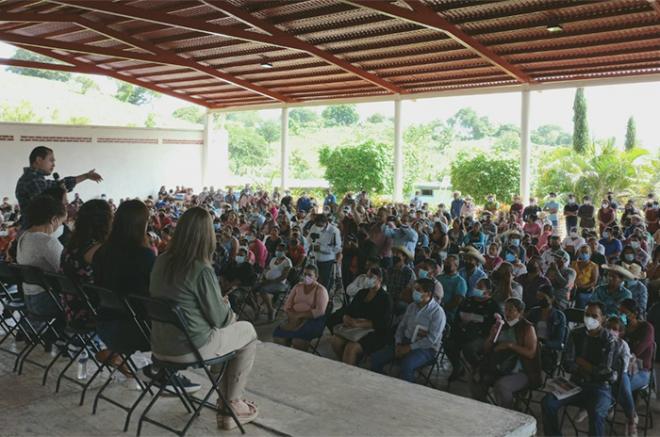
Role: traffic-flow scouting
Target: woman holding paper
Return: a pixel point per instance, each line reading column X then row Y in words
column 512, row 363
column 366, row 321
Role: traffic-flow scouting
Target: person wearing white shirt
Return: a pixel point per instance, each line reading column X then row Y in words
column 572, row 241
column 275, row 278
column 325, row 240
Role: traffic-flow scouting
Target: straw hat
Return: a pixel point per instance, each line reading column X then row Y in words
column 618, row 269
column 474, row 253
column 403, row 250
column 635, row 270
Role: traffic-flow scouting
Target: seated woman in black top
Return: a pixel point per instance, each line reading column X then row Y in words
column 365, row 323
column 476, row 315
column 123, row 264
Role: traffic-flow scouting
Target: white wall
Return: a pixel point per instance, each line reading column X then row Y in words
column 132, row 161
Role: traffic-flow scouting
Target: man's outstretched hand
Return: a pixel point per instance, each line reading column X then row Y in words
column 92, row 175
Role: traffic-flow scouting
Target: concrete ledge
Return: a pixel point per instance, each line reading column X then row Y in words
column 300, row 394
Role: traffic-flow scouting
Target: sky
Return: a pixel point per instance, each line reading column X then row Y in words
column 608, row 108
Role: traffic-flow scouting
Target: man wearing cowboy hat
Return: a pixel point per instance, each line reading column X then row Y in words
column 636, row 287
column 472, row 271
column 613, row 292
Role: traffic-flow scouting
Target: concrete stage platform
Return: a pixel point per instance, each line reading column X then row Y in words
column 298, row 394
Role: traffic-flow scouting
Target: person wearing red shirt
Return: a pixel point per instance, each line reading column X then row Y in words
column 258, row 248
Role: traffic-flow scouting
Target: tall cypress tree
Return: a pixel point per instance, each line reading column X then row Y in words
column 631, row 134
column 580, row 127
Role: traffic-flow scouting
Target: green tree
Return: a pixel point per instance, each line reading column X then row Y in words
column 80, row 120
column 580, row 126
column 470, row 126
column 193, row 114
column 366, row 166
column 25, row 55
column 507, row 141
column 376, row 118
column 151, row 120
column 21, row 113
column 134, row 95
column 340, row 115
column 597, row 170
column 86, row 84
column 269, row 129
column 550, row 135
column 300, row 167
column 481, row 175
column 248, row 150
column 631, row 134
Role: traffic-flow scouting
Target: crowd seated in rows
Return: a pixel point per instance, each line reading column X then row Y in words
column 490, row 285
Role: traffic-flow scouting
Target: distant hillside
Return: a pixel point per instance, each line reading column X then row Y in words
column 59, row 102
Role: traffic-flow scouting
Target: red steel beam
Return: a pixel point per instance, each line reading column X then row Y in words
column 161, row 55
column 424, row 16
column 279, row 38
column 291, row 41
column 92, row 69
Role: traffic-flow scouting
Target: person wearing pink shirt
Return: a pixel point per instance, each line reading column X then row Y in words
column 258, row 248
column 305, row 307
column 543, row 238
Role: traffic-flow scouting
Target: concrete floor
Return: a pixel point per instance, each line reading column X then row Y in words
column 298, row 394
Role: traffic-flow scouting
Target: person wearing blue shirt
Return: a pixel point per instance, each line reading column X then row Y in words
column 456, row 205
column 418, row 337
column 304, row 203
column 636, row 287
column 476, row 238
column 404, row 235
column 613, row 246
column 552, row 208
column 330, row 199
column 472, row 271
column 613, row 292
column 454, row 286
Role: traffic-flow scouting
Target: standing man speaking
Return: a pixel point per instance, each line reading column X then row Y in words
column 33, row 181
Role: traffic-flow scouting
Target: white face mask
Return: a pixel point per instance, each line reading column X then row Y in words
column 370, row 282
column 513, row 322
column 591, row 323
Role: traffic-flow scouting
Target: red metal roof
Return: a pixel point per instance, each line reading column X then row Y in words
column 211, row 52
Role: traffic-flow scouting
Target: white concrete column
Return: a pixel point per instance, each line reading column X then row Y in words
column 398, row 153
column 524, row 147
column 284, row 150
column 215, row 152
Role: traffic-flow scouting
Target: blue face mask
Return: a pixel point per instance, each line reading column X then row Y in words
column 606, row 234
column 417, row 296
column 509, row 257
column 629, row 257
column 240, row 259
column 624, row 319
column 216, row 226
column 423, row 274
column 585, row 256
column 515, row 242
column 477, row 292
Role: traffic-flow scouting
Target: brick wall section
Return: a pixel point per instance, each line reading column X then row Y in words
column 127, row 140
column 174, row 141
column 6, row 138
column 32, row 139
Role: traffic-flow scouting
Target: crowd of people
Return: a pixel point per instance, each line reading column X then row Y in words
column 490, row 285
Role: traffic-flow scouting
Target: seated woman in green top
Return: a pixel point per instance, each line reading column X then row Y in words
column 185, row 275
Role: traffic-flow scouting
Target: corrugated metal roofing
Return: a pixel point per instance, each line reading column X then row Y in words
column 215, row 52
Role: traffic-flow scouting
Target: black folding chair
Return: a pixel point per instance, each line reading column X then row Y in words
column 438, row 358
column 645, row 393
column 48, row 333
column 111, row 301
column 167, row 312
column 574, row 315
column 12, row 303
column 82, row 337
